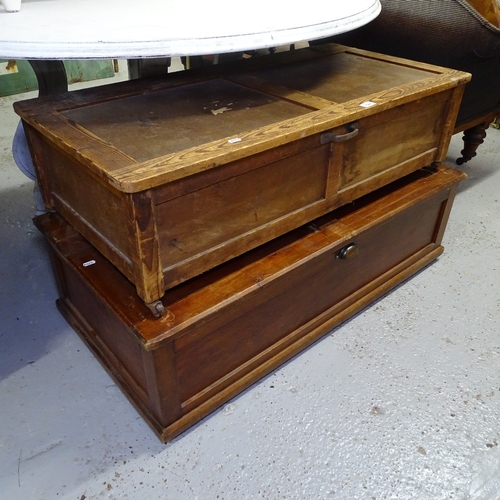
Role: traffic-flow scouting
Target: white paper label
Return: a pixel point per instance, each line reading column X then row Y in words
column 89, row 263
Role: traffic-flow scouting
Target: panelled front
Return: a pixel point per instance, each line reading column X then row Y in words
column 207, row 226
column 394, row 141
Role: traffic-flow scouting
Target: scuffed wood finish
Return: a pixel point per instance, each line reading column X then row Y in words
column 229, row 158
column 224, row 330
column 143, row 230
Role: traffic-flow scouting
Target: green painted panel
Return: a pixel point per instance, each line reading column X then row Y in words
column 18, row 76
column 84, row 71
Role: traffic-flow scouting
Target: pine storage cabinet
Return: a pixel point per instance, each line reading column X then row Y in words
column 224, row 330
column 171, row 177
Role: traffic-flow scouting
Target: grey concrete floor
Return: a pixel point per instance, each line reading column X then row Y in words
column 401, row 402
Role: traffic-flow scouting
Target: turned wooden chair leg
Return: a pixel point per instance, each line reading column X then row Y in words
column 473, row 138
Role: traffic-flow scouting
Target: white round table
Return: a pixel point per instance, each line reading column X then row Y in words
column 125, row 29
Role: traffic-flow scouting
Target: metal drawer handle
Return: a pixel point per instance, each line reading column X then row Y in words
column 348, row 252
column 330, row 137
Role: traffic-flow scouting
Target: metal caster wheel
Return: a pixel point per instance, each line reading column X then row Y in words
column 157, row 308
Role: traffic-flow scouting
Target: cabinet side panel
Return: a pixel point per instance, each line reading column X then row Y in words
column 94, row 210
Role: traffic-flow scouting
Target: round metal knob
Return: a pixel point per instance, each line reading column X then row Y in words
column 348, row 252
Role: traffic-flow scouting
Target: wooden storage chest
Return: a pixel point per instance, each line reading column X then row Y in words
column 170, row 177
column 227, row 328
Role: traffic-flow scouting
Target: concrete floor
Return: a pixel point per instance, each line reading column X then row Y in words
column 401, row 402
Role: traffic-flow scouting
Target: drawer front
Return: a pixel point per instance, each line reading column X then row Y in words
column 213, row 354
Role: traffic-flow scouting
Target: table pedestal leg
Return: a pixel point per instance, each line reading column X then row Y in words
column 51, row 76
column 52, row 79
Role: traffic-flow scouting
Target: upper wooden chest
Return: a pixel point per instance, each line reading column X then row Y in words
column 170, row 177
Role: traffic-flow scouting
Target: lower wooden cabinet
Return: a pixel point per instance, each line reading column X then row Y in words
column 227, row 328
